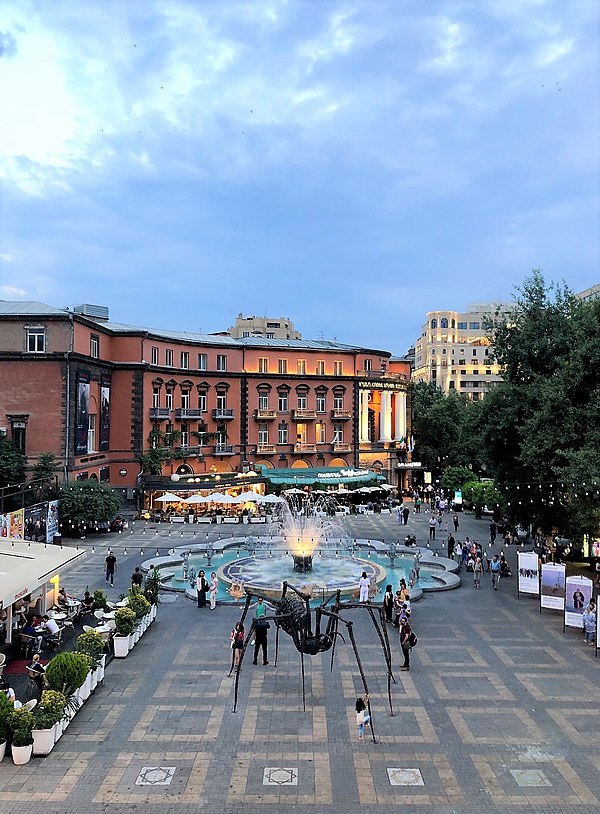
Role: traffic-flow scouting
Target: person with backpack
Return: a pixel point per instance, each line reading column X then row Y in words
column 407, row 642
column 362, row 714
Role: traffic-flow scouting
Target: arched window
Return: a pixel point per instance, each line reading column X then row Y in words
column 453, row 323
column 434, row 323
column 444, row 323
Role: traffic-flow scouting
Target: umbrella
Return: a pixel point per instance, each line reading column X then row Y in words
column 217, row 497
column 386, row 486
column 248, row 496
column 271, row 499
column 197, row 499
column 169, row 497
column 293, row 492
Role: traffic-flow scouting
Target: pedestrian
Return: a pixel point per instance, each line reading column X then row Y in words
column 363, row 584
column 110, row 566
column 213, row 587
column 399, row 517
column 589, row 623
column 439, row 519
column 137, row 578
column 405, row 639
column 456, row 522
column 451, row 544
column 418, row 502
column 236, row 638
column 388, row 603
column 405, row 513
column 261, row 631
column 201, row 589
column 417, row 563
column 362, row 716
column 493, row 530
column 495, row 566
column 458, row 553
column 477, row 570
column 432, row 525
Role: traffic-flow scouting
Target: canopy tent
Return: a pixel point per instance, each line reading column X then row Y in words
column 169, row 497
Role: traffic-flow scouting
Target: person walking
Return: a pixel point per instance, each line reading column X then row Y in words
column 213, row 587
column 432, row 525
column 589, row 623
column 261, row 631
column 456, row 522
column 110, row 564
column 493, row 532
column 451, row 544
column 137, row 578
column 201, row 589
column 418, row 502
column 495, row 567
column 405, row 513
column 405, row 639
column 362, row 716
column 458, row 553
column 363, row 584
column 417, row 564
column 236, row 637
column 477, row 571
column 388, row 603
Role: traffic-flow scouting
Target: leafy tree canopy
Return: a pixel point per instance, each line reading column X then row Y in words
column 87, row 502
column 12, row 464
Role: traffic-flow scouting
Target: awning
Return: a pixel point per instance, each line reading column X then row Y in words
column 24, row 567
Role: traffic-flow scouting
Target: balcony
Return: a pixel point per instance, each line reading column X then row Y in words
column 223, row 449
column 183, row 413
column 190, row 452
column 265, row 415
column 304, row 415
column 223, row 414
column 304, row 449
column 372, row 374
column 265, row 449
column 341, row 415
column 340, row 446
column 159, row 413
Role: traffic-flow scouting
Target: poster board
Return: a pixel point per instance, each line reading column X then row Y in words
column 553, row 591
column 528, row 573
column 579, row 594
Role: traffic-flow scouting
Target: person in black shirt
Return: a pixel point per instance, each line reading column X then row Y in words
column 36, row 670
column 137, row 578
column 111, row 567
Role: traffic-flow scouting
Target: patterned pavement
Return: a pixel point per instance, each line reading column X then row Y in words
column 498, row 714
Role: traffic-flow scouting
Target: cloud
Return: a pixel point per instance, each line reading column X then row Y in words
column 7, row 257
column 11, row 291
column 8, row 45
column 551, row 52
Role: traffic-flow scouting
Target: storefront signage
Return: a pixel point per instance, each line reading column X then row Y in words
column 382, row 385
column 344, row 473
column 413, row 465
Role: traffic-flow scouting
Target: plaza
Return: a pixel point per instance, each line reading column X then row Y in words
column 496, row 714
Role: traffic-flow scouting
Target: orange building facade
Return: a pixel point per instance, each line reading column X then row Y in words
column 101, row 395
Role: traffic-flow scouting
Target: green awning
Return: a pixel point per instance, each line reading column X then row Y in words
column 319, row 475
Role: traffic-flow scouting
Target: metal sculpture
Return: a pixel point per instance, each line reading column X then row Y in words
column 293, row 616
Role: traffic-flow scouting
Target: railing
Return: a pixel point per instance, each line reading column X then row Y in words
column 193, row 451
column 340, row 446
column 187, row 412
column 157, row 413
column 308, row 448
column 302, row 415
column 373, row 374
column 222, row 413
column 265, row 414
column 265, row 449
column 341, row 414
column 223, row 449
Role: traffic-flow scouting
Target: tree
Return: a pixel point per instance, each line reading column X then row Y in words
column 12, row 464
column 45, row 467
column 87, row 503
column 455, row 478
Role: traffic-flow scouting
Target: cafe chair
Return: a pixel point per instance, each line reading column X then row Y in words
column 87, row 628
column 2, row 662
column 56, row 640
column 31, row 705
column 28, row 644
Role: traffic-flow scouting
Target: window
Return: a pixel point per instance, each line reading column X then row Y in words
column 263, row 434
column 338, row 368
column 338, row 433
column 245, row 334
column 301, row 367
column 338, row 402
column 221, row 361
column 444, row 323
column 283, row 403
column 202, row 402
column 473, row 326
column 221, row 435
column 263, row 401
column 475, row 373
column 320, row 403
column 462, row 326
column 263, row 364
column 434, row 323
column 368, row 365
column 154, row 356
column 169, row 358
column 104, row 474
column 185, row 359
column 462, row 351
column 463, row 384
column 18, row 432
column 487, row 352
column 302, row 402
column 463, row 372
column 433, row 351
column 36, row 340
column 320, row 371
column 94, row 346
column 434, row 373
column 169, row 399
column 185, row 435
column 451, row 385
column 320, row 433
column 201, row 361
column 474, row 352
column 282, row 434
column 273, row 325
column 185, row 400
column 221, row 401
column 453, row 324
column 156, row 396
column 270, row 335
column 91, row 442
column 282, row 366
column 443, row 351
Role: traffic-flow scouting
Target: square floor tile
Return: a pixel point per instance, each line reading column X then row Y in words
column 530, row 778
column 405, row 777
column 276, row 776
column 155, row 776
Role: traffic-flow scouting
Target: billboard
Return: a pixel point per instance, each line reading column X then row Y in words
column 35, row 523
column 52, row 521
column 579, row 595
column 553, row 586
column 82, row 414
column 104, row 441
column 529, row 581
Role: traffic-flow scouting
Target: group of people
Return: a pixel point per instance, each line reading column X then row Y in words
column 397, row 610
column 237, row 637
column 204, row 587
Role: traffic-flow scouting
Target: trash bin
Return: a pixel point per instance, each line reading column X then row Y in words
column 57, row 539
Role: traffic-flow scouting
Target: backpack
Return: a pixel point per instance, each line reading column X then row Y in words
column 412, row 639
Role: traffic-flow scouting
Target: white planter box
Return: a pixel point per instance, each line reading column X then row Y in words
column 131, row 640
column 121, row 646
column 218, row 518
column 101, row 668
column 136, row 635
column 93, row 679
column 2, row 749
column 44, row 740
column 21, row 754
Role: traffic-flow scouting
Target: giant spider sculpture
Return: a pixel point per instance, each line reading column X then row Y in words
column 293, row 616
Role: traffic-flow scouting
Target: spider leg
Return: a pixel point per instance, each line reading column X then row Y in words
column 239, row 666
column 362, row 675
column 276, row 643
column 303, row 684
column 385, row 644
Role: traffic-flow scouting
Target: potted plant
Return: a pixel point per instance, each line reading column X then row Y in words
column 21, row 727
column 6, row 709
column 100, row 600
column 65, row 673
column 46, row 720
column 152, row 589
column 124, row 627
column 91, row 644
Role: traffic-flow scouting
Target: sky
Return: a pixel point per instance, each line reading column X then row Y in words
column 350, row 165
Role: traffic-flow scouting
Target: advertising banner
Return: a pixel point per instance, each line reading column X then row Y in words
column 16, row 524
column 4, row 525
column 52, row 521
column 104, row 413
column 579, row 595
column 553, row 586
column 83, row 413
column 35, row 523
column 529, row 581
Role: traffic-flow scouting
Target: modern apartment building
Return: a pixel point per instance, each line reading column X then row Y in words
column 99, row 395
column 267, row 327
column 454, row 351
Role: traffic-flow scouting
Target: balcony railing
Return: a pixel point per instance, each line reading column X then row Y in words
column 300, row 449
column 265, row 415
column 187, row 412
column 223, row 413
column 190, row 451
column 265, row 449
column 373, row 374
column 341, row 415
column 303, row 415
column 159, row 413
column 223, row 449
column 341, row 446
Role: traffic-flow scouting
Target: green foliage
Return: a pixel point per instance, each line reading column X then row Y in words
column 455, row 477
column 153, row 460
column 50, row 710
column 88, row 502
column 152, row 586
column 45, row 467
column 482, row 493
column 6, row 709
column 100, row 600
column 12, row 464
column 124, row 621
column 137, row 602
column 92, row 645
column 21, row 726
column 67, row 671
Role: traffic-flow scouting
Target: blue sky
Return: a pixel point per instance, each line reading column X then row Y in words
column 350, row 165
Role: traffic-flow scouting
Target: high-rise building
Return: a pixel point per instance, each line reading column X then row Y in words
column 267, row 327
column 454, row 350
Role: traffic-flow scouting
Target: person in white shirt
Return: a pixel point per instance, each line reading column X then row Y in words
column 50, row 626
column 363, row 584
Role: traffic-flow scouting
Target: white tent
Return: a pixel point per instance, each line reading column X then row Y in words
column 169, row 497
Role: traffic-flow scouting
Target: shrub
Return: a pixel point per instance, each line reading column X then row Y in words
column 152, row 586
column 124, row 621
column 6, row 709
column 50, row 710
column 91, row 644
column 21, row 726
column 138, row 603
column 67, row 671
column 100, row 600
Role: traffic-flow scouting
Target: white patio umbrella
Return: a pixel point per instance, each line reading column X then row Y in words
column 197, row 499
column 293, row 491
column 248, row 496
column 217, row 497
column 169, row 497
column 388, row 486
column 271, row 499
